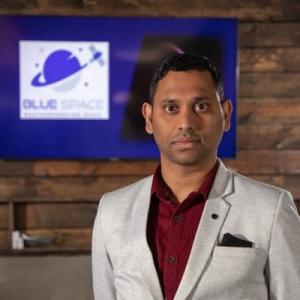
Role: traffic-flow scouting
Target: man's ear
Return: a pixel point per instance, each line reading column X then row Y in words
column 147, row 113
column 227, row 110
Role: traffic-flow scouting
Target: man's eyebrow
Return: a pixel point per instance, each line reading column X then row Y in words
column 175, row 100
column 169, row 100
column 200, row 98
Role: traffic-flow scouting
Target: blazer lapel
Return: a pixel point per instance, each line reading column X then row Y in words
column 213, row 217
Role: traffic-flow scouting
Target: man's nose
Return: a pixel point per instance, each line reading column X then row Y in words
column 187, row 119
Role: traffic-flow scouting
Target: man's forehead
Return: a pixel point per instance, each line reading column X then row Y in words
column 174, row 79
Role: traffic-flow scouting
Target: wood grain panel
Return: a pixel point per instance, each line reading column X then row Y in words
column 269, row 111
column 266, row 162
column 269, row 60
column 42, row 168
column 65, row 239
column 3, row 216
column 269, row 34
column 15, row 168
column 99, row 167
column 18, row 5
column 55, row 215
column 268, row 136
column 258, row 85
column 254, row 10
column 71, row 189
column 4, row 240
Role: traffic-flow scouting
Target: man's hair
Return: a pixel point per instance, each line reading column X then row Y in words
column 187, row 62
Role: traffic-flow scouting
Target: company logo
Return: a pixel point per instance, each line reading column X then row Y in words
column 64, row 80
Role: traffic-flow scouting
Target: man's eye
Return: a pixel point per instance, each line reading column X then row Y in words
column 171, row 108
column 201, row 107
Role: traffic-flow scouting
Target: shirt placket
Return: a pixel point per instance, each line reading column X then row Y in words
column 173, row 251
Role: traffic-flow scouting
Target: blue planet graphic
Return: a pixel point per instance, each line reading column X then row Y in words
column 60, row 65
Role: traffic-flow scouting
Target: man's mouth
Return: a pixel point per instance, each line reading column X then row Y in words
column 186, row 142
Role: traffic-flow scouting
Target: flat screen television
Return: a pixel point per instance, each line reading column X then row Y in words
column 72, row 87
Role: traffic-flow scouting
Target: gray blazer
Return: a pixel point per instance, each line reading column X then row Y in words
column 122, row 262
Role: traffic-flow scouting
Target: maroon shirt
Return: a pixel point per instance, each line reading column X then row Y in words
column 171, row 229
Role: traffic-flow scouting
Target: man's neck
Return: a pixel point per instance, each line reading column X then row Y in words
column 184, row 179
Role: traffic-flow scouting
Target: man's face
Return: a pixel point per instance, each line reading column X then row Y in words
column 187, row 118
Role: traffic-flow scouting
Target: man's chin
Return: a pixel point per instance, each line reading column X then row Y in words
column 187, row 160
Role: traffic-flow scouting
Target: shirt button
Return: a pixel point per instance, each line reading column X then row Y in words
column 177, row 218
column 171, row 259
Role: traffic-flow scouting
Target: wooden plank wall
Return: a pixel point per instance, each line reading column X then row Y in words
column 59, row 198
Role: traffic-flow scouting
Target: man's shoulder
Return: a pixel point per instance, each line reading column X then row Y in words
column 121, row 203
column 232, row 181
column 255, row 200
column 133, row 188
column 125, row 196
column 253, row 183
column 257, row 189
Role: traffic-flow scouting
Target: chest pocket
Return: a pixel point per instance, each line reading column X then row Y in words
column 233, row 273
column 239, row 263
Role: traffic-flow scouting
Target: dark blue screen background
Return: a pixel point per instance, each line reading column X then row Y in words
column 102, row 139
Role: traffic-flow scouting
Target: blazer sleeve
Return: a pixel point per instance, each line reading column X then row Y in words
column 283, row 268
column 103, row 279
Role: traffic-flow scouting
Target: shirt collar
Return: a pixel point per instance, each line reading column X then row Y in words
column 161, row 190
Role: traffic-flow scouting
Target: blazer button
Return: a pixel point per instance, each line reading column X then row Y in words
column 215, row 216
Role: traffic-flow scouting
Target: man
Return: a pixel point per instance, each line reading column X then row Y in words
column 195, row 230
